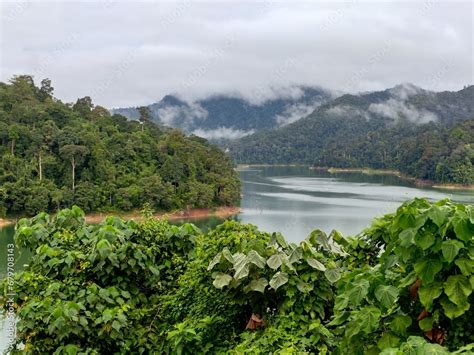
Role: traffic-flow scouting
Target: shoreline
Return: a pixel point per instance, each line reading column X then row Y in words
column 418, row 182
column 191, row 214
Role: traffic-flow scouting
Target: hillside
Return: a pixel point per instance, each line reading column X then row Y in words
column 424, row 134
column 56, row 154
column 228, row 117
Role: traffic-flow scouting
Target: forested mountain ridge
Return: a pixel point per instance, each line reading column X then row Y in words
column 424, row 134
column 55, row 154
column 228, row 117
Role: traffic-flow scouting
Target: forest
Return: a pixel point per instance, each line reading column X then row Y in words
column 345, row 133
column 56, row 154
column 402, row 286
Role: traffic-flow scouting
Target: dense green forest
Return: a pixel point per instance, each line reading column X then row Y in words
column 350, row 133
column 54, row 155
column 402, row 286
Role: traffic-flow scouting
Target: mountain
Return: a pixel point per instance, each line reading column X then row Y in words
column 56, row 155
column 230, row 117
column 426, row 134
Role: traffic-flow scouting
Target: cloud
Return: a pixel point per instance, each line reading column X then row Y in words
column 182, row 116
column 133, row 53
column 397, row 109
column 347, row 111
column 294, row 113
column 222, row 133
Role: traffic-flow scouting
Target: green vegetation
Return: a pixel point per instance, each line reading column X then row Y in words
column 347, row 133
column 54, row 155
column 403, row 286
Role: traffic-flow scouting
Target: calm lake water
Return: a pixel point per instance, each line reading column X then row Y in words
column 296, row 200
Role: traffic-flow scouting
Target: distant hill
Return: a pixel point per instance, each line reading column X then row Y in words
column 229, row 117
column 425, row 134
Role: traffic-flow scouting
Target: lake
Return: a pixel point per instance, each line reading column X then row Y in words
column 296, row 200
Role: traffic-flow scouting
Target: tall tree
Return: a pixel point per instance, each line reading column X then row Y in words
column 74, row 153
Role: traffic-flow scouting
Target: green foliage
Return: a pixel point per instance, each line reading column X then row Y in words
column 403, row 286
column 55, row 155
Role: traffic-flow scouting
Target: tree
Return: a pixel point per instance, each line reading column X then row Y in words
column 46, row 90
column 144, row 115
column 13, row 135
column 74, row 153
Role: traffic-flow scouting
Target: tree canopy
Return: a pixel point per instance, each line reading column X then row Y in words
column 55, row 154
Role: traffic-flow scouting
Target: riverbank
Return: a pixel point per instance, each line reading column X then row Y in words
column 190, row 214
column 417, row 182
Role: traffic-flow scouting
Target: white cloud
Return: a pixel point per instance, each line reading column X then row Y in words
column 294, row 113
column 397, row 109
column 170, row 115
column 222, row 133
column 137, row 52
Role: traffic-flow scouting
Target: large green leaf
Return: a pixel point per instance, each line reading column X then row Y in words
column 228, row 255
column 241, row 266
column 258, row 285
column 407, row 237
column 304, row 287
column 427, row 268
column 453, row 310
column 222, row 280
column 424, row 239
column 458, row 288
column 315, row 264
column 358, row 290
column 386, row 295
column 438, row 215
column 400, row 323
column 388, row 340
column 214, row 261
column 369, row 316
column 278, row 280
column 256, row 259
column 465, row 265
column 275, row 261
column 426, row 324
column 333, row 275
column 296, row 255
column 463, row 228
column 429, row 292
column 450, row 249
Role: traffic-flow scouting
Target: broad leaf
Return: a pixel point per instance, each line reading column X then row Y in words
column 386, row 295
column 214, row 261
column 463, row 228
column 332, row 275
column 452, row 310
column 429, row 292
column 275, row 261
column 304, row 287
column 427, row 268
column 358, row 291
column 407, row 237
column 388, row 340
column 228, row 255
column 315, row 264
column 458, row 288
column 426, row 324
column 437, row 215
column 399, row 324
column 258, row 285
column 256, row 259
column 450, row 249
column 278, row 280
column 222, row 280
column 296, row 255
column 424, row 239
column 465, row 265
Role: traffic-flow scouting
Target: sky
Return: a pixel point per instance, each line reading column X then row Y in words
column 130, row 53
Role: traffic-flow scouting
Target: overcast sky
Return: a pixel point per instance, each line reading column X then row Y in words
column 125, row 53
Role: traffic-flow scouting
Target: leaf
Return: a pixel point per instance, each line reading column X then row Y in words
column 427, row 268
column 278, row 280
column 452, row 310
column 462, row 226
column 296, row 255
column 426, row 324
column 465, row 265
column 458, row 288
column 407, row 237
column 275, row 261
column 424, row 239
column 256, row 259
column 315, row 264
column 450, row 249
column 437, row 215
column 429, row 292
column 280, row 239
column 332, row 275
column 388, row 340
column 386, row 295
column 258, row 285
column 304, row 287
column 433, row 349
column 214, row 261
column 358, row 290
column 227, row 254
column 400, row 323
column 241, row 266
column 222, row 280
column 370, row 318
